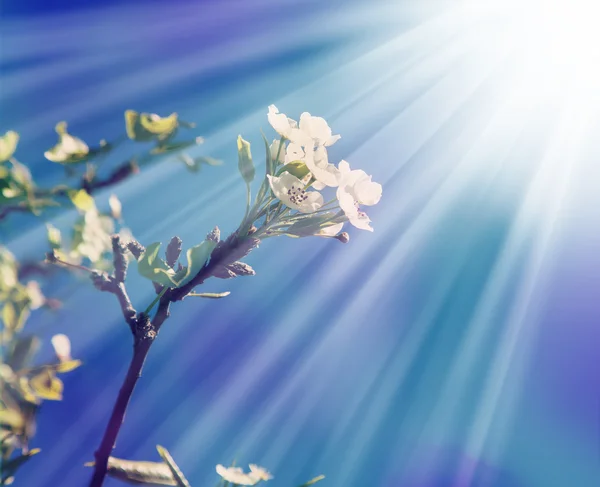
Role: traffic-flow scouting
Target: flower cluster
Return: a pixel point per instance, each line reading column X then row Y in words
column 306, row 171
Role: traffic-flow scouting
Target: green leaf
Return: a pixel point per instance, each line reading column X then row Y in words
column 269, row 166
column 313, row 481
column 211, row 295
column 295, row 168
column 8, row 145
column 175, row 471
column 46, row 385
column 14, row 315
column 196, row 258
column 165, row 147
column 10, row 467
column 54, row 236
column 211, row 161
column 22, row 352
column 154, row 268
column 163, row 127
column 138, row 472
column 245, row 164
column 81, row 200
column 134, row 128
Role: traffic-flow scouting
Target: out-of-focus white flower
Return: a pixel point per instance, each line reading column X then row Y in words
column 95, row 236
column 236, row 475
column 356, row 188
column 36, row 297
column 259, row 473
column 69, row 148
column 318, row 130
column 62, row 347
column 275, row 150
column 115, row 206
column 8, row 145
column 290, row 191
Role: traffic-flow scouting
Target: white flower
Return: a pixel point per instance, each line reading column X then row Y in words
column 62, row 347
column 115, row 206
column 285, row 126
column 355, row 189
column 259, row 473
column 317, row 163
column 95, row 236
column 290, row 191
column 236, row 475
column 69, row 148
column 36, row 297
column 8, row 145
column 318, row 130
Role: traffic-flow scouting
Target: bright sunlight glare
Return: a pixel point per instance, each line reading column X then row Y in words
column 559, row 38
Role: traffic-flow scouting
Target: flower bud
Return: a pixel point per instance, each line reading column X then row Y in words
column 343, row 237
column 62, row 347
column 245, row 164
column 214, row 235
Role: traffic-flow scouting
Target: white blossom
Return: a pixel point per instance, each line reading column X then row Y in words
column 356, row 188
column 318, row 130
column 259, row 473
column 317, row 163
column 36, row 297
column 116, row 209
column 291, row 192
column 285, row 126
column 236, row 475
column 62, row 347
column 95, row 236
column 68, row 149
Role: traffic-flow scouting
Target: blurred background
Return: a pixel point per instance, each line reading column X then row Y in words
column 457, row 345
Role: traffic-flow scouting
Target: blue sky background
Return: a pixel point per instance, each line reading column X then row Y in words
column 455, row 346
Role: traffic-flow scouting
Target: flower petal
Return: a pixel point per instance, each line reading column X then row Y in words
column 279, row 121
column 318, row 163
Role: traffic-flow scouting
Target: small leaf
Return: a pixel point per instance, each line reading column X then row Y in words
column 313, row 481
column 46, row 385
column 134, row 128
column 211, row 295
column 211, row 161
column 8, row 145
column 81, row 200
column 245, row 164
column 67, row 366
column 269, row 166
column 54, row 236
column 10, row 467
column 138, row 472
column 23, row 350
column 175, row 471
column 69, row 149
column 295, row 168
column 165, row 147
column 196, row 258
column 163, row 127
column 154, row 268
